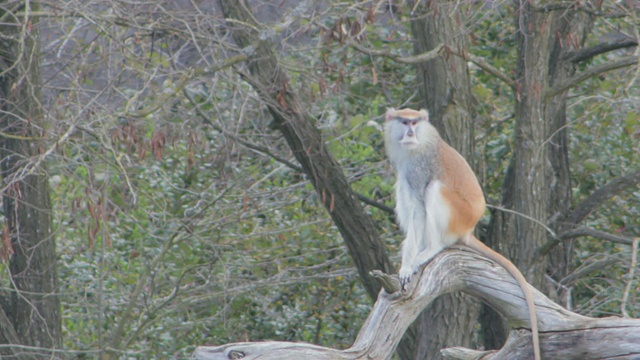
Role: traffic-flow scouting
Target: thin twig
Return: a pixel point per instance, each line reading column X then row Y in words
column 412, row 59
column 632, row 269
column 548, row 229
column 488, row 68
column 586, row 231
column 602, row 194
column 584, row 271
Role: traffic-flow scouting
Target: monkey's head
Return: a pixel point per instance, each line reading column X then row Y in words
column 408, row 130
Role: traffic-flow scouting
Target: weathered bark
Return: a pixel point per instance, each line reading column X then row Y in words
column 528, row 193
column 538, row 182
column 444, row 88
column 564, row 335
column 570, row 35
column 526, row 188
column 31, row 305
column 270, row 81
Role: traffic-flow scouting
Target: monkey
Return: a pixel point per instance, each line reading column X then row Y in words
column 438, row 199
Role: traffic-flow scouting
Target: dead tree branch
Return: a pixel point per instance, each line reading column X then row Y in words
column 564, row 335
column 601, row 48
column 591, row 72
column 601, row 195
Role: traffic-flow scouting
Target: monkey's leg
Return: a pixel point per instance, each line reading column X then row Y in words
column 427, row 223
column 408, row 209
column 409, row 251
column 413, row 244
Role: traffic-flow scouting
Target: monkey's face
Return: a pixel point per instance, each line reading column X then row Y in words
column 407, row 127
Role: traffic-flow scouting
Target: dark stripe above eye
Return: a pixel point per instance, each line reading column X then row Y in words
column 407, row 121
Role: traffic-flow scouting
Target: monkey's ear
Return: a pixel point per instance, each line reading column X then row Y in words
column 424, row 114
column 391, row 113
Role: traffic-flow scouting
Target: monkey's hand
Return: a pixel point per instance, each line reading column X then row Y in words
column 404, row 275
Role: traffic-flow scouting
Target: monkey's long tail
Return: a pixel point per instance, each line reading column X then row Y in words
column 524, row 285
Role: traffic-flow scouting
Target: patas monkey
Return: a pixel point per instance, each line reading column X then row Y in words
column 438, row 199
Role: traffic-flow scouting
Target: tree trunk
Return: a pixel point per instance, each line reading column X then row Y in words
column 537, row 186
column 30, row 311
column 526, row 188
column 572, row 30
column 270, row 81
column 445, row 91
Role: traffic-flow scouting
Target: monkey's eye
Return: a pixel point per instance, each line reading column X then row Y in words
column 409, row 122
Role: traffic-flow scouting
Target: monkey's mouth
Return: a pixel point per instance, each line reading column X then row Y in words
column 409, row 143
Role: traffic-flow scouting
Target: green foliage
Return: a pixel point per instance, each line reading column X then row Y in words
column 605, row 135
column 226, row 244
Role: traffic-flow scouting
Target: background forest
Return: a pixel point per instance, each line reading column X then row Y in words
column 191, row 172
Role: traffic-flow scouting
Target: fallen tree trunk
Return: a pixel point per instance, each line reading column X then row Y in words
column 563, row 334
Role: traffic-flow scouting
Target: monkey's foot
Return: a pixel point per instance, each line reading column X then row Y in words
column 405, row 277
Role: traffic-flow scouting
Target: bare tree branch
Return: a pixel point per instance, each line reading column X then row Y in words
column 585, row 231
column 479, row 62
column 376, row 204
column 266, row 151
column 588, row 269
column 601, row 48
column 583, row 209
column 470, row 272
column 258, row 148
column 602, row 194
column 9, row 332
column 411, row 59
column 579, row 6
column 594, row 71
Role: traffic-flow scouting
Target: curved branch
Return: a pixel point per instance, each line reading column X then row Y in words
column 9, row 332
column 584, row 271
column 603, row 47
column 601, row 195
column 582, row 210
column 485, row 66
column 564, row 335
column 376, row 204
column 585, row 231
column 266, row 151
column 411, row 59
column 594, row 71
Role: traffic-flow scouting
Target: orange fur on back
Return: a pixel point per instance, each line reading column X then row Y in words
column 461, row 191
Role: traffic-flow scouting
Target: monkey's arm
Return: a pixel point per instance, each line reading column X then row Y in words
column 411, row 215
